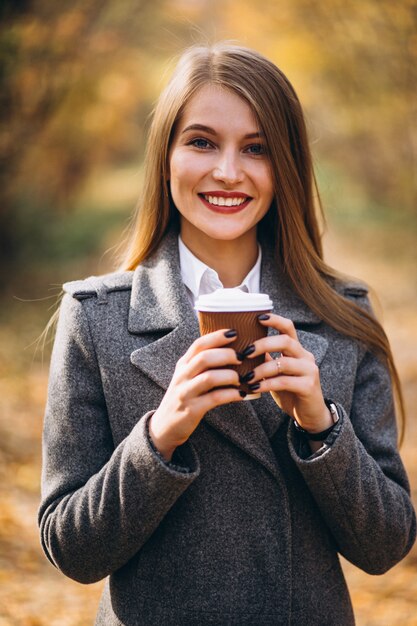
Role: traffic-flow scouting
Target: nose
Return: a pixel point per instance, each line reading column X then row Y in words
column 228, row 169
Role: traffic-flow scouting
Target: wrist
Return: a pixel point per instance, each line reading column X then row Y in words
column 166, row 450
column 320, row 431
column 315, row 422
column 318, row 426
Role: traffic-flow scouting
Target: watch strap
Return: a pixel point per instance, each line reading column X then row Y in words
column 322, row 435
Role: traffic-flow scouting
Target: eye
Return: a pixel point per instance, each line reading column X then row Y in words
column 200, row 143
column 256, row 149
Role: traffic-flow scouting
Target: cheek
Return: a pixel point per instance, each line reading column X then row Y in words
column 269, row 181
column 183, row 169
column 266, row 185
column 183, row 179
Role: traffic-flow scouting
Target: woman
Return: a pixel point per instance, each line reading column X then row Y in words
column 201, row 508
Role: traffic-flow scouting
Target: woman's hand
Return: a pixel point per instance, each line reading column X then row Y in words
column 293, row 379
column 195, row 388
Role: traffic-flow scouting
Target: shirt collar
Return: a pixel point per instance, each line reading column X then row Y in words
column 200, row 279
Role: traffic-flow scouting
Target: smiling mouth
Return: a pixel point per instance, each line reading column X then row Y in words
column 222, row 201
column 225, row 203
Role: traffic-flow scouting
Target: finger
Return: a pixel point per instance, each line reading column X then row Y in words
column 277, row 343
column 282, row 324
column 299, row 385
column 218, row 397
column 283, row 365
column 208, row 380
column 210, row 359
column 215, row 339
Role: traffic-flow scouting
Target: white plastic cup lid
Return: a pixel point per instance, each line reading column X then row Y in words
column 231, row 300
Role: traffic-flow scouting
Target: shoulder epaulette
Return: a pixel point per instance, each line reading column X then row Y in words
column 350, row 288
column 99, row 286
column 355, row 290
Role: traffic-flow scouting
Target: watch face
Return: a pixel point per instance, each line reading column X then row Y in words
column 333, row 411
column 335, row 414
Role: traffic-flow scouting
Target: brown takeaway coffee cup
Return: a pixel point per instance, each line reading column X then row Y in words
column 234, row 308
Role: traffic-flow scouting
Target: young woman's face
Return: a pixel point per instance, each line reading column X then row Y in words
column 219, row 173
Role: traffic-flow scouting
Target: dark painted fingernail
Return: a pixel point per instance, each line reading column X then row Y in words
column 243, row 394
column 254, row 387
column 247, row 351
column 239, row 356
column 230, row 333
column 247, row 377
column 264, row 317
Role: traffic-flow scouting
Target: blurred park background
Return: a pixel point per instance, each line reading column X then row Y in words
column 78, row 80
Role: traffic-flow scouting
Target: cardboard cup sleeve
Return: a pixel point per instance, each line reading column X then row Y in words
column 248, row 330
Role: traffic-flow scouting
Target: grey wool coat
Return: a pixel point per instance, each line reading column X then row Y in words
column 246, row 528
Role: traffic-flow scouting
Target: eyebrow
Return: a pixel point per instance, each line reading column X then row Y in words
column 211, row 131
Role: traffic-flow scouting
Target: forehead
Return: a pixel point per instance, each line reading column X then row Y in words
column 220, row 108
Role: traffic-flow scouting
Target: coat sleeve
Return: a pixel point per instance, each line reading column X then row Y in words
column 99, row 504
column 359, row 482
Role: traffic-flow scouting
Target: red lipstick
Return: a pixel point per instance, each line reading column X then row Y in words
column 225, row 210
column 226, row 194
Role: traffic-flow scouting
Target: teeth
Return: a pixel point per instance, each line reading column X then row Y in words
column 220, row 201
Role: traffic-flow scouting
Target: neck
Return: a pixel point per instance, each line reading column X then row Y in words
column 232, row 260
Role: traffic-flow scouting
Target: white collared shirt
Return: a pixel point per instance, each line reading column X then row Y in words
column 200, row 279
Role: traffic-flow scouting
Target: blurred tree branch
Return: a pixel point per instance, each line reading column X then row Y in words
column 59, row 117
column 369, row 80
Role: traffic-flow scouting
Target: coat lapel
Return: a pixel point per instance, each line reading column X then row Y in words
column 160, row 307
column 239, row 422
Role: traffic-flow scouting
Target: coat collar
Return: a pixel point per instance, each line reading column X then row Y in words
column 276, row 285
column 157, row 282
column 159, row 300
column 160, row 306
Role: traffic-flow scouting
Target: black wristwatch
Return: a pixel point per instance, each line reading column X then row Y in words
column 324, row 433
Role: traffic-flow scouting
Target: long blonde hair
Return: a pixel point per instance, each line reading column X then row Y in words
column 292, row 223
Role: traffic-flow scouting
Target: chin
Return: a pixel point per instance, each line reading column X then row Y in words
column 224, row 232
column 225, row 236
